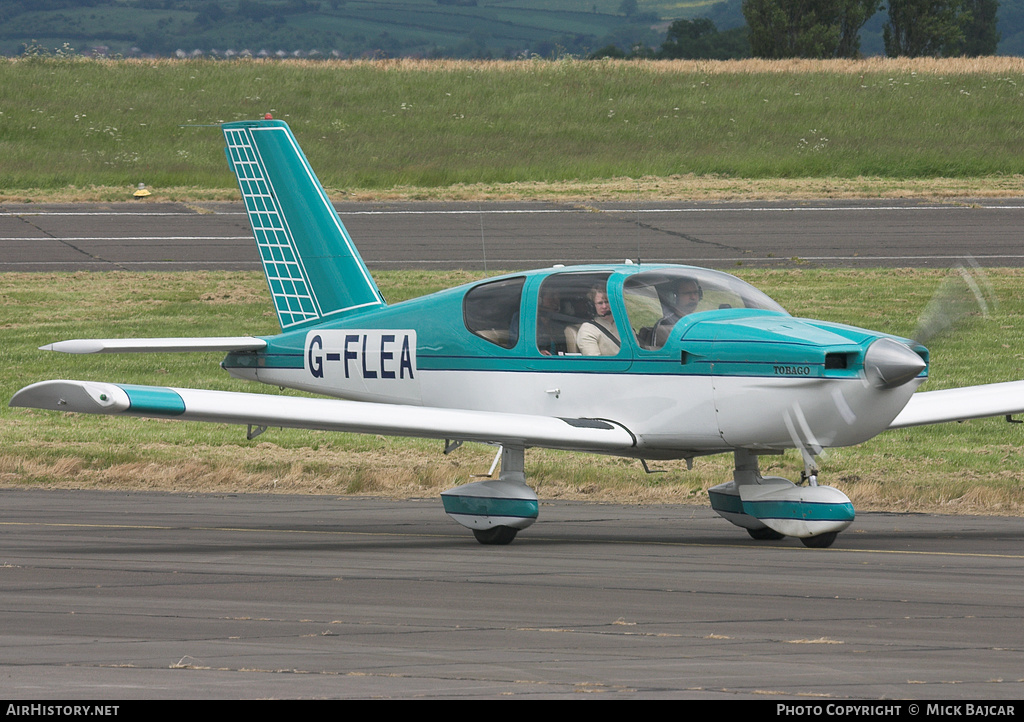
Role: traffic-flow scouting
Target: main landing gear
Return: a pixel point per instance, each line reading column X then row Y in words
column 769, row 508
column 496, row 509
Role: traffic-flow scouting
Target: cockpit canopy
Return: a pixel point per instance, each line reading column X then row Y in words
column 658, row 299
column 556, row 309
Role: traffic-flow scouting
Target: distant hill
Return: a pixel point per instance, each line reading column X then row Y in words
column 346, row 28
column 378, row 28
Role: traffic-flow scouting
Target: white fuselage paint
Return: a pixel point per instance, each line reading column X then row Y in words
column 363, row 364
column 671, row 415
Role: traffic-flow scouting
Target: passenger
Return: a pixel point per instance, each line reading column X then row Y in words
column 550, row 326
column 599, row 337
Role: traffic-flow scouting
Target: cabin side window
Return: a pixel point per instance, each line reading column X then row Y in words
column 564, row 306
column 491, row 311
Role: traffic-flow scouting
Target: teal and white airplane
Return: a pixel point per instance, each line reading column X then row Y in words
column 643, row 361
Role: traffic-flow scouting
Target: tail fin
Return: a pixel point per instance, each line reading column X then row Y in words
column 313, row 269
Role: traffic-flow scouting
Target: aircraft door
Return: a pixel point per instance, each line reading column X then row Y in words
column 573, row 322
column 679, row 406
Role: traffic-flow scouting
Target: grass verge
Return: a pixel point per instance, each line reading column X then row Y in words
column 688, row 187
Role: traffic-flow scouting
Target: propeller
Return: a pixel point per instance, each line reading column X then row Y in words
column 965, row 293
column 888, row 363
column 803, row 439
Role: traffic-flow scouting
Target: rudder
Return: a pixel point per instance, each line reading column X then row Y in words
column 312, row 266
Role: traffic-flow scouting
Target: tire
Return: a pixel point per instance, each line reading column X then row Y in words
column 496, row 535
column 822, row 541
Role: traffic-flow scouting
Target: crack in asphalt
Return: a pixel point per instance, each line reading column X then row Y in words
column 64, row 242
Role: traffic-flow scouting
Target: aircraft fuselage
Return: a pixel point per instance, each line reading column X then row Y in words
column 737, row 372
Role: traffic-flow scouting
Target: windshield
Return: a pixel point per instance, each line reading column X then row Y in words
column 657, row 300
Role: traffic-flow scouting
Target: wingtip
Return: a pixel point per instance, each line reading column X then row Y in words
column 74, row 346
column 63, row 395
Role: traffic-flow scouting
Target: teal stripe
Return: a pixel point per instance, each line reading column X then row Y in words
column 581, row 364
column 799, row 510
column 728, row 503
column 489, row 506
column 280, row 361
column 153, row 400
column 263, row 361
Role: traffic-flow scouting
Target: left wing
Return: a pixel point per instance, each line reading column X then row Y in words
column 969, row 402
column 90, row 397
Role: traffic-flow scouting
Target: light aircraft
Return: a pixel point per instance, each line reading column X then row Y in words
column 687, row 362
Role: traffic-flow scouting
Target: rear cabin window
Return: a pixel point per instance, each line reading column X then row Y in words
column 491, row 311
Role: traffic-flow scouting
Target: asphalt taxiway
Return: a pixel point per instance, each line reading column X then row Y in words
column 513, row 236
column 111, row 595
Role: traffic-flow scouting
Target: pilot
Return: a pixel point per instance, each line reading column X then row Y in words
column 687, row 296
column 599, row 337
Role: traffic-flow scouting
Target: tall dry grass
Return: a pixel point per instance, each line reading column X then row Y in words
column 877, row 64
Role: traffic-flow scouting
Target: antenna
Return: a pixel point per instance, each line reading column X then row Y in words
column 636, row 225
column 483, row 240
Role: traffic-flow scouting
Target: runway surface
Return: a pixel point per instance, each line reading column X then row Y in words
column 142, row 596
column 126, row 596
column 494, row 236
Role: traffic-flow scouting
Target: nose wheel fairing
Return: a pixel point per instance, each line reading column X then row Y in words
column 759, row 504
column 782, row 506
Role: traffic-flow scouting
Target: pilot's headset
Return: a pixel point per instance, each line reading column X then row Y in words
column 686, row 280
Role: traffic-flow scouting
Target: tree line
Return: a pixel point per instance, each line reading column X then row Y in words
column 831, row 29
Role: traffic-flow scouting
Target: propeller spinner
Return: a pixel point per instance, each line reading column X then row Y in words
column 889, row 363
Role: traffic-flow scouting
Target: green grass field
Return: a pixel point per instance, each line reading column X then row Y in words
column 70, row 125
column 972, row 467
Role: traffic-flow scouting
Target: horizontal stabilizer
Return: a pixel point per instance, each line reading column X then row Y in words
column 157, row 345
column 230, row 407
column 969, row 402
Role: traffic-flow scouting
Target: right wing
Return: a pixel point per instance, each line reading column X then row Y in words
column 968, row 402
column 230, row 407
